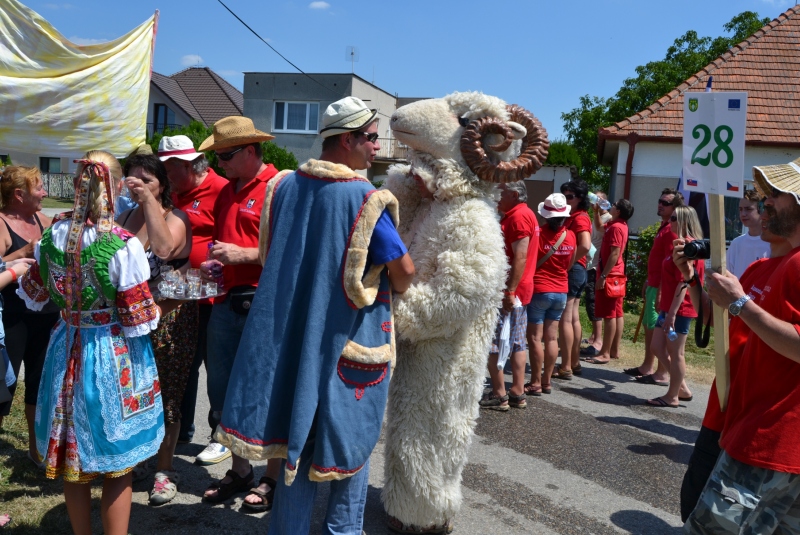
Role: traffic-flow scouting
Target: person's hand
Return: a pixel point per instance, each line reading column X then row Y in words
column 684, row 265
column 139, row 192
column 211, row 270
column 669, row 322
column 508, row 302
column 723, row 289
column 601, row 283
column 228, row 253
column 20, row 266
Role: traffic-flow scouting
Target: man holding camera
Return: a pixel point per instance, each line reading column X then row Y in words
column 755, row 485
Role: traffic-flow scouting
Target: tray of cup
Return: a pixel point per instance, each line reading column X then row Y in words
column 173, row 285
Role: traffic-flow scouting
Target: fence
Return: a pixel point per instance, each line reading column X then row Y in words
column 59, row 185
column 391, row 149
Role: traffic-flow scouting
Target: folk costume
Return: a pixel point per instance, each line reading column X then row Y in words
column 99, row 407
column 317, row 352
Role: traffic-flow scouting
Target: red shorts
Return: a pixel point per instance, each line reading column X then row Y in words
column 605, row 307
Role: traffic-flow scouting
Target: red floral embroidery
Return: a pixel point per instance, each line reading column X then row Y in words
column 136, row 306
column 134, row 404
column 33, row 286
column 103, row 318
column 125, row 377
column 116, row 330
column 156, row 386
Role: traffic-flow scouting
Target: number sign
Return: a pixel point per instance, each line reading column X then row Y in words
column 713, row 142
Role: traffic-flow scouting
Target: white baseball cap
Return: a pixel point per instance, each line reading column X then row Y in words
column 346, row 115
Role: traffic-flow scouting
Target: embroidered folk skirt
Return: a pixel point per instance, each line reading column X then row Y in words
column 99, row 408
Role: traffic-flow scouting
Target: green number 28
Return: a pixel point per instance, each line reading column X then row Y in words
column 722, row 145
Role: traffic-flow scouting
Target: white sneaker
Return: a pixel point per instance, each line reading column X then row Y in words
column 214, row 453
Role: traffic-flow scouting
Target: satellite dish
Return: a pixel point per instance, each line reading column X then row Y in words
column 351, row 55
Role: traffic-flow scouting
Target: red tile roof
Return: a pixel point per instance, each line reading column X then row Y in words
column 766, row 65
column 202, row 94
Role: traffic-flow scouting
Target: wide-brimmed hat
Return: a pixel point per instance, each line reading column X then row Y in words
column 180, row 147
column 555, row 205
column 346, row 115
column 233, row 131
column 783, row 177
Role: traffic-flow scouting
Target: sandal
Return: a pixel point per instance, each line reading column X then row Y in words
column 633, row 372
column 659, row 402
column 533, row 390
column 266, row 497
column 650, row 380
column 226, row 490
column 546, row 388
column 577, row 370
column 518, row 402
column 494, row 402
column 566, row 375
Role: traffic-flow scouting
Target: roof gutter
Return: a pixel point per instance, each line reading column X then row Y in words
column 632, row 139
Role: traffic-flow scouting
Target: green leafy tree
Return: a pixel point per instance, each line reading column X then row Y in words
column 563, row 153
column 636, row 261
column 685, row 57
column 198, row 132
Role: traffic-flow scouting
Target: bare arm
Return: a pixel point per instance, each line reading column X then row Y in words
column 584, row 243
column 230, row 254
column 520, row 250
column 401, row 273
column 613, row 256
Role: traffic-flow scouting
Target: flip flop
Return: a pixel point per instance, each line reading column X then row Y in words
column 687, row 398
column 633, row 372
column 659, row 402
column 649, row 380
column 594, row 360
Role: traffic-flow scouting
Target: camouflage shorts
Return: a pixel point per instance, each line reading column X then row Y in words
column 747, row 500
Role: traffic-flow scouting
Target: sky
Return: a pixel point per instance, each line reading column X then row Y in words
column 541, row 54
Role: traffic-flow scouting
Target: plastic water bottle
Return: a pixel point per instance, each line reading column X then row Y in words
column 671, row 334
column 594, row 199
column 604, row 204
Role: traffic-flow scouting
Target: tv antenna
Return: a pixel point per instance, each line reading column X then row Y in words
column 351, row 55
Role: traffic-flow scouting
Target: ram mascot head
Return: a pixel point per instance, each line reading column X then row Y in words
column 465, row 143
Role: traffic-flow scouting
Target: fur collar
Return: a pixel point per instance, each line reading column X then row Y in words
column 325, row 169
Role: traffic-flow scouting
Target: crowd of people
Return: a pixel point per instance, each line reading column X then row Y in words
column 112, row 366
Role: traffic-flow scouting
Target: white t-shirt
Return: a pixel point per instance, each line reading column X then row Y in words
column 745, row 250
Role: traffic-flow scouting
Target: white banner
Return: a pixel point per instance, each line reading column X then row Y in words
column 713, row 142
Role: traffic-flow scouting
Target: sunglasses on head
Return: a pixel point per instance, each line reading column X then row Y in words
column 569, row 196
column 226, row 156
column 664, row 203
column 372, row 137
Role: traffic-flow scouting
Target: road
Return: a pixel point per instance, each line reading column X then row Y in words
column 588, row 458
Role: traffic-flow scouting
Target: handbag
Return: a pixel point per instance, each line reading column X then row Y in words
column 616, row 284
column 242, row 299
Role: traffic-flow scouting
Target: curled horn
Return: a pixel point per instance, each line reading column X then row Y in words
column 532, row 155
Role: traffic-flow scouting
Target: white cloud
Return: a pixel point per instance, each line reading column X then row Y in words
column 319, row 5
column 191, row 60
column 83, row 41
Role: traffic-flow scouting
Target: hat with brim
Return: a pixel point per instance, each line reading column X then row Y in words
column 346, row 115
column 180, row 147
column 783, row 177
column 555, row 205
column 232, row 132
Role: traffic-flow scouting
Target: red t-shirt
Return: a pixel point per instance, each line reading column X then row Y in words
column 578, row 222
column 552, row 275
column 236, row 220
column 198, row 204
column 662, row 248
column 763, row 415
column 519, row 223
column 753, row 281
column 616, row 236
column 671, row 278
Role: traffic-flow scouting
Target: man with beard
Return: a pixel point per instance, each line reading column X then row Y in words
column 755, row 485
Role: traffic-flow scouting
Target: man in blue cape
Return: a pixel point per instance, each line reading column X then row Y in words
column 311, row 376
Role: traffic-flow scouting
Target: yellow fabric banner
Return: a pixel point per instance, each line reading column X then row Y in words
column 62, row 99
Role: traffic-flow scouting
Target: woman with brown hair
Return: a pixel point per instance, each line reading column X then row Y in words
column 27, row 332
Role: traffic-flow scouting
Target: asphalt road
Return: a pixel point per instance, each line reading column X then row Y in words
column 589, row 458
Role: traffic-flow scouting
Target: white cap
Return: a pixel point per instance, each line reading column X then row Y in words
column 555, row 205
column 177, row 147
column 346, row 115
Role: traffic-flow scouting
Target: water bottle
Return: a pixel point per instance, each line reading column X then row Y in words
column 671, row 334
column 592, row 197
column 215, row 268
column 604, row 204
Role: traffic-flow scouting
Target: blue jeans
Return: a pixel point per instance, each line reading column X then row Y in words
column 291, row 510
column 546, row 306
column 225, row 329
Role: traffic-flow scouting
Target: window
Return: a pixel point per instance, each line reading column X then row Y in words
column 49, row 165
column 163, row 118
column 297, row 117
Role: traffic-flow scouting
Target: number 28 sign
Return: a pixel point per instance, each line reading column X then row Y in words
column 713, row 142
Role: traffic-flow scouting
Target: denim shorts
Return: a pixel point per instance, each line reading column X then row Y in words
column 577, row 280
column 682, row 323
column 548, row 305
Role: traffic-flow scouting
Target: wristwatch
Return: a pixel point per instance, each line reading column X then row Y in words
column 736, row 307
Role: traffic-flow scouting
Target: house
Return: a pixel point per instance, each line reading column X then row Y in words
column 645, row 150
column 290, row 105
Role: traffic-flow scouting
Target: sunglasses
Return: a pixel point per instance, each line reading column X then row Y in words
column 673, row 218
column 226, row 156
column 664, row 203
column 372, row 138
column 569, row 196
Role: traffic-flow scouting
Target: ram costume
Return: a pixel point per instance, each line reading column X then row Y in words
column 317, row 350
column 461, row 146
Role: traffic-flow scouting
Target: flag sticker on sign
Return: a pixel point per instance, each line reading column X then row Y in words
column 691, row 182
column 734, row 104
column 732, row 187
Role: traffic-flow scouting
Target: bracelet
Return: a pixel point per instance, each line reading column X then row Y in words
column 602, row 276
column 13, row 274
column 691, row 282
column 509, row 293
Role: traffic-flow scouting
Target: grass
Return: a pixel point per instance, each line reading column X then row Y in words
column 52, row 202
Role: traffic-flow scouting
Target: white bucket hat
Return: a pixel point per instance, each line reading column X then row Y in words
column 346, row 115
column 177, row 147
column 555, row 205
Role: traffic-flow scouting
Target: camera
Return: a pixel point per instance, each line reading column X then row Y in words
column 697, row 250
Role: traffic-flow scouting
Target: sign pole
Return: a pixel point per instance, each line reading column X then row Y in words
column 716, row 218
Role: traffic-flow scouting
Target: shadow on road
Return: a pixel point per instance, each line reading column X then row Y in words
column 687, row 436
column 641, row 522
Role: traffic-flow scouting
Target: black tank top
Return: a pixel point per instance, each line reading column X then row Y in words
column 13, row 306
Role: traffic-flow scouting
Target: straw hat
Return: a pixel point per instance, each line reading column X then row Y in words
column 784, row 177
column 555, row 205
column 233, row 131
column 180, row 147
column 346, row 115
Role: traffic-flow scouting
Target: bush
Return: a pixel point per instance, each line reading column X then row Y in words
column 636, row 253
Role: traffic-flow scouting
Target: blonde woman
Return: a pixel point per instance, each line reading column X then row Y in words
column 675, row 314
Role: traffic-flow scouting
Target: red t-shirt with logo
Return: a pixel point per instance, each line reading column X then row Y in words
column 519, row 223
column 616, row 236
column 552, row 275
column 763, row 414
column 671, row 278
column 578, row 222
column 662, row 248
column 236, row 220
column 753, row 281
column 198, row 203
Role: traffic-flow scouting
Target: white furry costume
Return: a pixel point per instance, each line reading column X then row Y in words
column 445, row 322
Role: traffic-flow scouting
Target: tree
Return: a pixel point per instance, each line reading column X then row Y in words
column 563, row 153
column 686, row 56
column 198, row 132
